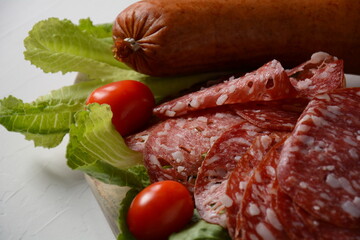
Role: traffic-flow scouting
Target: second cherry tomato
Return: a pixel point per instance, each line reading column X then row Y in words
column 159, row 210
column 131, row 102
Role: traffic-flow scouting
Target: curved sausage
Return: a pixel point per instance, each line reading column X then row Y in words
column 162, row 38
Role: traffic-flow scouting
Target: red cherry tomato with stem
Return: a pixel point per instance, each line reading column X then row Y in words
column 159, row 210
column 131, row 102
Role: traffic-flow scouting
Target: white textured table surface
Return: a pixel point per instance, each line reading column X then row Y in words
column 40, row 197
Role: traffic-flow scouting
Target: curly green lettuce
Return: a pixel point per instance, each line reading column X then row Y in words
column 96, row 148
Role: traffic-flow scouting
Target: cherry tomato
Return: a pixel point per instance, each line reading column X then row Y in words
column 159, row 210
column 131, row 102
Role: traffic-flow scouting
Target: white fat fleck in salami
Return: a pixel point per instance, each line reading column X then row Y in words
column 176, row 147
column 170, row 113
column 269, row 82
column 324, row 161
column 318, row 57
column 351, row 209
column 178, row 106
column 263, row 231
column 178, row 156
column 222, row 99
column 194, row 103
column 253, row 209
column 226, row 200
column 305, row 84
column 210, row 184
column 272, row 218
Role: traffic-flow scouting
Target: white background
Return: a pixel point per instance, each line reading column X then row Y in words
column 40, row 197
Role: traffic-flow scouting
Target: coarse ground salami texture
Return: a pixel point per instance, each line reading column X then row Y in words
column 326, row 231
column 269, row 82
column 210, row 185
column 321, row 74
column 242, row 172
column 176, row 147
column 280, row 115
column 137, row 141
column 319, row 165
column 257, row 218
column 292, row 222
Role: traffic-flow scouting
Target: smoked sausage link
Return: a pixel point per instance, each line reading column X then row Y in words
column 163, row 37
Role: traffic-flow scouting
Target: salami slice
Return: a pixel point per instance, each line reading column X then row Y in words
column 300, row 225
column 137, row 141
column 241, row 174
column 288, row 215
column 210, row 186
column 326, row 231
column 269, row 82
column 319, row 166
column 257, row 218
column 322, row 73
column 176, row 147
column 273, row 115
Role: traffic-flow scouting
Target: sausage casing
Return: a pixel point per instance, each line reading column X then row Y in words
column 164, row 38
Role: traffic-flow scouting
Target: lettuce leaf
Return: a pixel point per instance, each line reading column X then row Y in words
column 199, row 229
column 45, row 124
column 94, row 134
column 60, row 46
column 202, row 230
column 45, row 140
column 75, row 94
column 47, row 119
column 95, row 147
column 135, row 177
column 125, row 233
column 35, row 118
column 98, row 31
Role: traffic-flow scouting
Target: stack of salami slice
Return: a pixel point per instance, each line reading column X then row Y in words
column 274, row 154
